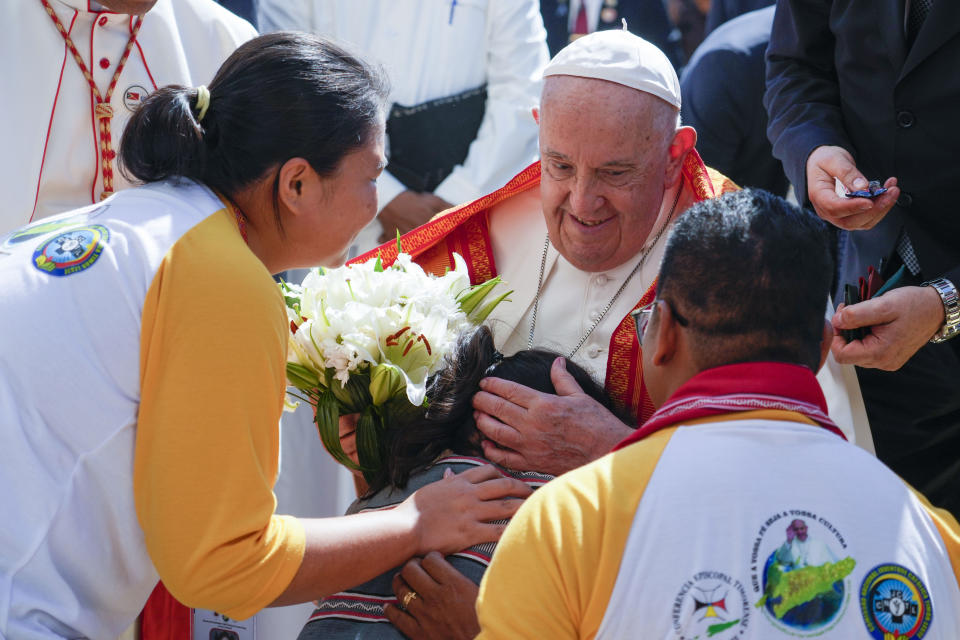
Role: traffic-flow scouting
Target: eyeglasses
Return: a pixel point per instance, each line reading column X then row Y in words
column 641, row 317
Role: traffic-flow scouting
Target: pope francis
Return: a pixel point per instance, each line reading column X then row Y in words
column 583, row 250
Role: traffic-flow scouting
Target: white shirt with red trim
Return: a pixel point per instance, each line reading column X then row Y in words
column 50, row 160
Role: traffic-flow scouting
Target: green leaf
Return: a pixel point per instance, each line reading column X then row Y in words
column 328, row 423
column 342, row 395
column 399, row 250
column 368, row 442
column 378, row 265
column 358, row 387
column 301, row 377
column 479, row 316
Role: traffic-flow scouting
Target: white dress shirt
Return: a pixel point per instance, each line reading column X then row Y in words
column 437, row 48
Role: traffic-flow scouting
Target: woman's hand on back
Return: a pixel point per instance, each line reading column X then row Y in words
column 460, row 510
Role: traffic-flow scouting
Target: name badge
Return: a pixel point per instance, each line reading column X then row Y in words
column 210, row 625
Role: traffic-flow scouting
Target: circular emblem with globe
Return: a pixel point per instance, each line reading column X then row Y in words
column 802, row 582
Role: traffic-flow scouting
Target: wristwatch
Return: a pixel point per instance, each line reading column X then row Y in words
column 951, row 309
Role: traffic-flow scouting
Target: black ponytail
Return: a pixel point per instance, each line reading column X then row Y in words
column 279, row 96
column 448, row 422
column 163, row 138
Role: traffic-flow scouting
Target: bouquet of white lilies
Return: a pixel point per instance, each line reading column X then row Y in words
column 366, row 339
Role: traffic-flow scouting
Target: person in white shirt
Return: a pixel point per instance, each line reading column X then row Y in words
column 60, row 142
column 438, row 49
column 800, row 550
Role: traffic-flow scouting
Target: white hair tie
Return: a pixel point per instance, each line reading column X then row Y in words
column 203, row 102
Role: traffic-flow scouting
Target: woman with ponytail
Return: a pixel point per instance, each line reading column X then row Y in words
column 424, row 449
column 142, row 360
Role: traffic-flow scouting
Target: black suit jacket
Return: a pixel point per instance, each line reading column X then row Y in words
column 839, row 73
column 645, row 18
column 246, row 9
column 722, row 89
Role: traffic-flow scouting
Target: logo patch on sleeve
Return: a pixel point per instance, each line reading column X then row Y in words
column 895, row 603
column 71, row 251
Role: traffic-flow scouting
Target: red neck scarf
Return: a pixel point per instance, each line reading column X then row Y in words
column 733, row 388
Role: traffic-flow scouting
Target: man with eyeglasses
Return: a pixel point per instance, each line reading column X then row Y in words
column 677, row 533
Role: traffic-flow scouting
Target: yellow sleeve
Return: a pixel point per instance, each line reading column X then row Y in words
column 212, row 378
column 555, row 567
column 949, row 530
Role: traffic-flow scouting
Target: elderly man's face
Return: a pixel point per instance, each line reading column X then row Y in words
column 132, row 7
column 799, row 529
column 604, row 150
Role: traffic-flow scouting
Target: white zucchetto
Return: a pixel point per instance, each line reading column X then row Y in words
column 619, row 56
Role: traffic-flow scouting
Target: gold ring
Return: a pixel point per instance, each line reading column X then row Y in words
column 409, row 597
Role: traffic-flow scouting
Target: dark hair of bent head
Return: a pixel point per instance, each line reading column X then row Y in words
column 448, row 423
column 752, row 273
column 279, row 96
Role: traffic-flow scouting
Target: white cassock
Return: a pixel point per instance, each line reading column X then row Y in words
column 571, row 300
column 50, row 161
column 798, row 554
column 438, row 48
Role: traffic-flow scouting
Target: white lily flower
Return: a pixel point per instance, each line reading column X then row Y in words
column 356, row 320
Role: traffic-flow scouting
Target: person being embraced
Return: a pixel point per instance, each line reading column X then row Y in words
column 422, row 448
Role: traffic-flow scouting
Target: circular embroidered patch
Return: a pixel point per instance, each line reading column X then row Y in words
column 71, row 251
column 895, row 603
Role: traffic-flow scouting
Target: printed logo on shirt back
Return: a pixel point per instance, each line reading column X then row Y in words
column 895, row 603
column 801, row 577
column 711, row 604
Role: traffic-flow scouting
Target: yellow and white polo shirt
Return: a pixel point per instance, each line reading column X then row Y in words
column 748, row 527
column 142, row 355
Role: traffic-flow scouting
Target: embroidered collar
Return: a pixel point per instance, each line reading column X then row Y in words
column 741, row 387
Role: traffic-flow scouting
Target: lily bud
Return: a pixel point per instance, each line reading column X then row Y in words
column 470, row 298
column 386, row 382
